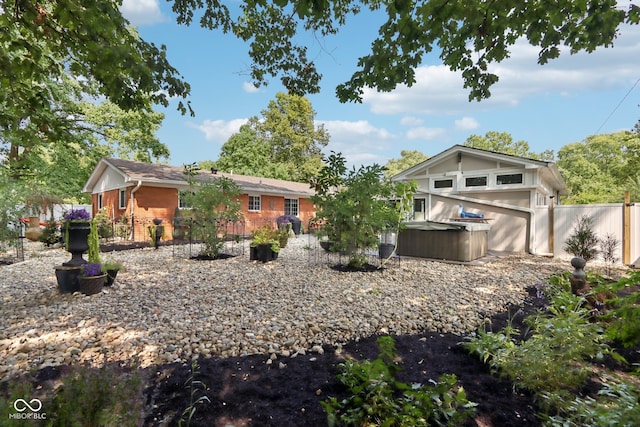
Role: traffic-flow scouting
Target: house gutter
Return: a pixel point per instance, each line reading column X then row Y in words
column 531, row 212
column 132, row 199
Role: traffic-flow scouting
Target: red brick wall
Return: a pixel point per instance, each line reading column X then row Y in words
column 158, row 202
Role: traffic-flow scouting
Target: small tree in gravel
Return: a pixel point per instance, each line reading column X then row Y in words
column 583, row 242
column 608, row 247
column 213, row 201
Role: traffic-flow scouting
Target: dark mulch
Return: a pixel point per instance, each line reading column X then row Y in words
column 247, row 391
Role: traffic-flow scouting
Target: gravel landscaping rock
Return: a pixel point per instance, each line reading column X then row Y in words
column 166, row 307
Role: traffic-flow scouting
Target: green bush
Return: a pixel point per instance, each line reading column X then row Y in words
column 86, row 396
column 356, row 206
column 583, row 242
column 51, row 233
column 377, row 398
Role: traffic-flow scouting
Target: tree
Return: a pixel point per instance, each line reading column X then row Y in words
column 90, row 41
column 601, row 168
column 408, row 159
column 284, row 144
column 247, row 154
column 293, row 138
column 356, row 205
column 470, row 35
column 213, row 201
column 61, row 161
column 502, row 142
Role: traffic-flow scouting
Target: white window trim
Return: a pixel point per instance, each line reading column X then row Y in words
column 487, row 181
column 297, row 205
column 99, row 201
column 249, row 209
column 454, row 180
column 121, row 199
column 514, row 185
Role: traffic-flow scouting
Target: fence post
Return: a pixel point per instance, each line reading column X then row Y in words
column 626, row 229
column 552, row 230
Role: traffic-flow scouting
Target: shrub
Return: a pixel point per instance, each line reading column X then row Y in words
column 105, row 226
column 356, row 206
column 51, row 233
column 608, row 246
column 583, row 242
column 377, row 398
column 213, row 202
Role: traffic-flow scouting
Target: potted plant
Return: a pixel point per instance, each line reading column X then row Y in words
column 77, row 223
column 264, row 245
column 111, row 268
column 156, row 231
column 92, row 278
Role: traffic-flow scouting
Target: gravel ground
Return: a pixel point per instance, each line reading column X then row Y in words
column 166, row 307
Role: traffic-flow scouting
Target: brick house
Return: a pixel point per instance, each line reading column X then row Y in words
column 137, row 192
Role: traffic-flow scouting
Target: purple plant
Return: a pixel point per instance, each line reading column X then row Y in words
column 77, row 215
column 92, row 269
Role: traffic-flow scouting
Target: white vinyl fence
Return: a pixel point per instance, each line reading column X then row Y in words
column 607, row 219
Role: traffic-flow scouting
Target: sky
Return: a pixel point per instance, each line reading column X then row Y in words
column 550, row 106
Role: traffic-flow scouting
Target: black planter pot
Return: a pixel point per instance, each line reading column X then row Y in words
column 91, row 285
column 78, row 242
column 327, row 245
column 67, row 277
column 111, row 277
column 262, row 253
column 385, row 250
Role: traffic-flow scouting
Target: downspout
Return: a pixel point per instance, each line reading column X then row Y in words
column 132, row 200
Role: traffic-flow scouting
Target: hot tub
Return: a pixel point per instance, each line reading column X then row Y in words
column 454, row 241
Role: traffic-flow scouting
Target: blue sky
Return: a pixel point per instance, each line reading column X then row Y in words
column 547, row 106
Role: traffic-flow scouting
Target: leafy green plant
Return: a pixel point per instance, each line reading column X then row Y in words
column 105, row 226
column 266, row 235
column 196, row 388
column 51, row 233
column 213, row 202
column 355, row 206
column 608, row 246
column 624, row 314
column 552, row 358
column 617, row 404
column 10, row 210
column 583, row 242
column 87, row 396
column 93, row 253
column 377, row 398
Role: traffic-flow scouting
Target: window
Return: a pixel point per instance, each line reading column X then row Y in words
column 291, row 207
column 514, row 178
column 254, row 203
column 443, row 183
column 122, row 199
column 476, row 181
column 99, row 201
column 418, row 209
column 183, row 198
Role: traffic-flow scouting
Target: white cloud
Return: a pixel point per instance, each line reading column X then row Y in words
column 219, row 130
column 249, row 87
column 142, row 12
column 359, row 141
column 411, row 121
column 425, row 133
column 466, row 123
column 439, row 91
